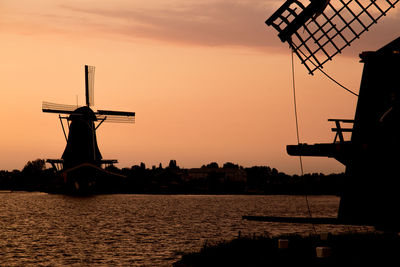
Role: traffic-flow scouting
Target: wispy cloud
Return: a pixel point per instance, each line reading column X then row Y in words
column 209, row 23
column 214, row 23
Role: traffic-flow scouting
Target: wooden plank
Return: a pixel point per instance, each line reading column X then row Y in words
column 342, row 120
column 300, row 220
column 342, row 129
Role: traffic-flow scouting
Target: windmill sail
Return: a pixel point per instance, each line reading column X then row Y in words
column 116, row 113
column 115, row 116
column 317, row 30
column 50, row 107
column 89, row 85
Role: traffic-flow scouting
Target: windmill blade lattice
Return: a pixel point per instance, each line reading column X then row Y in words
column 50, row 107
column 115, row 118
column 316, row 31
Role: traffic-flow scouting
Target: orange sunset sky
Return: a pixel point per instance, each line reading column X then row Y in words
column 208, row 80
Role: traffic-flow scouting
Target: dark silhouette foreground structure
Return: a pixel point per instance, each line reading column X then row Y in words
column 370, row 195
column 371, row 156
column 81, row 163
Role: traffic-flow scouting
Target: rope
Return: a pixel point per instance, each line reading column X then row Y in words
column 326, row 74
column 298, row 137
column 332, row 79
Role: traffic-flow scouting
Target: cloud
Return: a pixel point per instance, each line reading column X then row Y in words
column 209, row 23
column 214, row 23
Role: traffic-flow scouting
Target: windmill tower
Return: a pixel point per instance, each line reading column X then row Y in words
column 82, row 122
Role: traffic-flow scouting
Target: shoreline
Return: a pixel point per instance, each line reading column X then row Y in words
column 376, row 248
column 177, row 193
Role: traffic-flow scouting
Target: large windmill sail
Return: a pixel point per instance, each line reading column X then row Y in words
column 317, row 30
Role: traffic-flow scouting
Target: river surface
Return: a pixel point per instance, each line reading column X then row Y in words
column 39, row 229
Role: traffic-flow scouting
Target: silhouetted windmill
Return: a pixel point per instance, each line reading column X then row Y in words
column 82, row 145
column 316, row 31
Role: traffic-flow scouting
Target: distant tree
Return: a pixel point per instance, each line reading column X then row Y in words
column 212, row 165
column 274, row 172
column 172, row 164
column 125, row 170
column 135, row 167
column 142, row 165
column 113, row 168
column 230, row 165
column 34, row 166
column 160, row 166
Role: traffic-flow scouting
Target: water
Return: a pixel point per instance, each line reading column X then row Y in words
column 139, row 230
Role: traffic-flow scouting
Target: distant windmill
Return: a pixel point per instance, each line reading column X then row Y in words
column 82, row 145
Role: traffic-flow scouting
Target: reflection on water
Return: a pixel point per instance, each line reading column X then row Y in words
column 141, row 230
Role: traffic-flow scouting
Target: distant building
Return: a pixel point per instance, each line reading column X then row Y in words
column 221, row 174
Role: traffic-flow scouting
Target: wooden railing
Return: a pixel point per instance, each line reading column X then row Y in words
column 339, row 130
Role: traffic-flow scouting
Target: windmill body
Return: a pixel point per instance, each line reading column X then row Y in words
column 81, row 161
column 370, row 195
column 82, row 141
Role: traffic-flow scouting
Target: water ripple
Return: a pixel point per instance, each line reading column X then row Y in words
column 138, row 230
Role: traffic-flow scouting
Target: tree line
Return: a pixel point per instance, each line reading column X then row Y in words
column 211, row 178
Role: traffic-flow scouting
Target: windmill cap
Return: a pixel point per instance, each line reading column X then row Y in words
column 83, row 113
